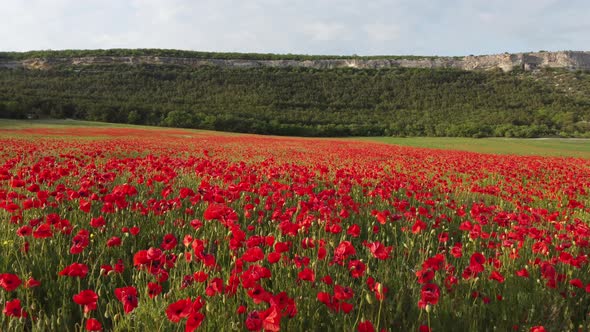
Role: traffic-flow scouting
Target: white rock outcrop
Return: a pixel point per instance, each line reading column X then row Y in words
column 506, row 62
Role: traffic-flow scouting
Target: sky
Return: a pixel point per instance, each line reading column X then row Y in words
column 334, row 27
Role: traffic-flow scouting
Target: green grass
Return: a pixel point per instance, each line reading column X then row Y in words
column 540, row 146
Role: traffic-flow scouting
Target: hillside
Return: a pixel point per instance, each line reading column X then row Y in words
column 304, row 95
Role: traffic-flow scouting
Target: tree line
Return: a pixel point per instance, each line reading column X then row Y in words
column 306, row 102
column 121, row 52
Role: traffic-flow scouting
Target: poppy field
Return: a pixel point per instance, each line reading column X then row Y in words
column 121, row 229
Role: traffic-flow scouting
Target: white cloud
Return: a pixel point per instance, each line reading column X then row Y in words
column 382, row 32
column 322, row 31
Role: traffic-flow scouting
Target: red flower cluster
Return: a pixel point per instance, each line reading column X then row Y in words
column 189, row 309
column 265, row 233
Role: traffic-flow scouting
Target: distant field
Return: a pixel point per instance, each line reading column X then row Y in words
column 520, row 146
column 54, row 123
column 540, row 146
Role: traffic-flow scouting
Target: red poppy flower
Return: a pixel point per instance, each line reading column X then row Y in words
column 200, row 276
column 253, row 255
column 424, row 275
column 365, row 326
column 75, row 270
column 253, row 321
column 24, row 231
column 179, row 310
column 80, row 242
column 193, row 322
column 577, row 283
column 97, row 222
column 429, row 294
column 92, row 324
column 477, row 259
column 272, row 319
column 344, row 250
column 354, row 230
column 343, row 293
column 418, row 226
column 282, row 247
column 9, row 281
column 306, row 274
column 379, row 251
column 31, row 283
column 169, row 242
column 85, row 205
column 214, row 287
column 114, row 242
column 43, row 231
column 356, row 268
column 134, row 230
column 523, row 273
column 154, row 289
column 476, row 263
column 127, row 296
column 495, row 275
column 13, row 309
column 87, row 298
column 457, row 250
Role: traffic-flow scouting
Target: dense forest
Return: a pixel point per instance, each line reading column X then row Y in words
column 308, row 102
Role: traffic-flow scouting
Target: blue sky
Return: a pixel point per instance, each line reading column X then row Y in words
column 370, row 27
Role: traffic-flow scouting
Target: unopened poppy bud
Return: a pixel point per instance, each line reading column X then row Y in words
column 369, row 298
column 380, row 288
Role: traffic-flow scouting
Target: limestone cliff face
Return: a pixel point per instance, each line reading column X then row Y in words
column 505, row 62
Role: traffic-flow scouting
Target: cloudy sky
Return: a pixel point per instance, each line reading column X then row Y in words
column 363, row 27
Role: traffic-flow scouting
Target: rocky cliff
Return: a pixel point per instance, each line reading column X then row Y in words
column 506, row 62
